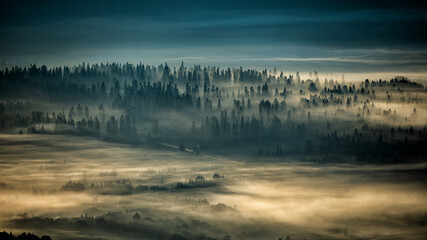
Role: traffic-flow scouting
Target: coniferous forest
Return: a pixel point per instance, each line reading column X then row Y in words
column 256, row 114
column 129, row 150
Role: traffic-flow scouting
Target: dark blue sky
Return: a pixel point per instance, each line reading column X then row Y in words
column 339, row 36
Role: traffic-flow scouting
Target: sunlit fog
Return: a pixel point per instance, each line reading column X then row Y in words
column 213, row 120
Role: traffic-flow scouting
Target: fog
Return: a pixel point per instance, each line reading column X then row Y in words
column 252, row 201
column 213, row 120
column 125, row 151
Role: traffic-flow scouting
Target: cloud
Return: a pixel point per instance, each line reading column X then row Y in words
column 339, row 59
column 209, row 32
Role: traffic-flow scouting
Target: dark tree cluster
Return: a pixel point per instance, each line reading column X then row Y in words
column 22, row 236
column 246, row 108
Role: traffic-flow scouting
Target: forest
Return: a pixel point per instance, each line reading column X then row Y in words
column 137, row 151
column 260, row 114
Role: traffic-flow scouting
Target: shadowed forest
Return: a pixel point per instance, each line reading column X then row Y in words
column 125, row 151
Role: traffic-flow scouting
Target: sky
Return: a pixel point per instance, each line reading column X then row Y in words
column 327, row 36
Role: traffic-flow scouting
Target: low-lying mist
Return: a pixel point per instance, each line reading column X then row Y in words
column 81, row 188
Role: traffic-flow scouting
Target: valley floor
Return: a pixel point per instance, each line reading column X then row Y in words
column 72, row 187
